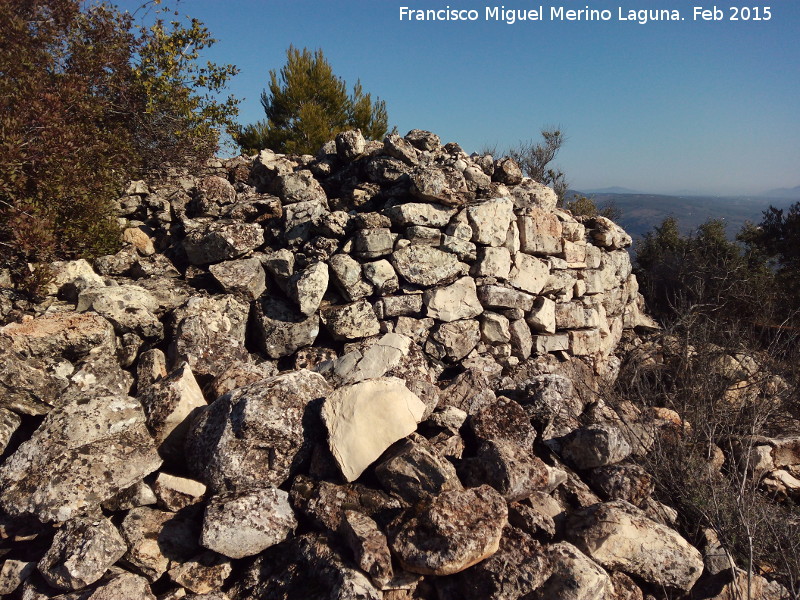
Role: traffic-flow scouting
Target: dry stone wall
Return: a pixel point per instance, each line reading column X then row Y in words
column 356, row 375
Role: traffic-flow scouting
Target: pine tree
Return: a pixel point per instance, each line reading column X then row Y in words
column 306, row 105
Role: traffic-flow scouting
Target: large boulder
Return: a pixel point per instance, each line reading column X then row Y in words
column 81, row 455
column 426, row 266
column 219, row 241
column 255, row 435
column 621, row 538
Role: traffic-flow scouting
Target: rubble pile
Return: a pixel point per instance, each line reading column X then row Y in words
column 366, row 374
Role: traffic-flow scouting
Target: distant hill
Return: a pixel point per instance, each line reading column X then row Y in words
column 641, row 212
column 792, row 193
column 611, row 190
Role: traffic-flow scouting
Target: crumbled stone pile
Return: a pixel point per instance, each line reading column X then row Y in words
column 365, row 374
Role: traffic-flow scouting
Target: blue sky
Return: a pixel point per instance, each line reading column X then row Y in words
column 663, row 107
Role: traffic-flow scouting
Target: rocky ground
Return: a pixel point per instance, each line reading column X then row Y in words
column 367, row 374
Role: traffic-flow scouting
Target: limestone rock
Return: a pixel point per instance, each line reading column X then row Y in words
column 458, row 300
column 373, row 243
column 254, row 435
column 168, row 403
column 420, row 213
column 247, row 523
column 13, row 573
column 574, row 576
column 492, row 262
column 495, row 328
column 82, row 454
column 516, row 570
column 530, row 193
column 382, row 276
column 239, row 374
column 244, row 277
column 426, row 266
column 347, row 275
column 490, row 221
column 210, row 333
column 70, row 277
column 369, row 546
column 222, row 241
column 595, row 446
column 540, row 232
column 619, row 537
column 458, row 529
column 506, row 170
column 503, row 420
column 398, row 148
column 124, row 585
column 529, row 273
column 365, row 418
column 350, row 321
column 380, row 357
column 307, row 287
column 300, row 186
column 442, row 185
column 513, row 471
column 495, row 296
column 280, row 330
column 175, row 493
column 415, row 471
column 82, row 550
column 453, row 341
column 423, row 140
column 203, row 574
column 542, row 317
column 64, row 335
column 28, row 385
column 350, row 144
column 622, row 482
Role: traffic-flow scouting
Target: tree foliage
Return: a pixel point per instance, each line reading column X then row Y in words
column 306, row 105
column 587, row 207
column 535, row 158
column 89, row 99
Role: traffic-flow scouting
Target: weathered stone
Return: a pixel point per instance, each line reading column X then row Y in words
column 506, row 170
column 490, row 221
column 463, row 249
column 453, row 341
column 542, row 344
column 64, row 335
column 347, row 275
column 210, row 333
column 492, row 262
column 156, row 537
column 369, row 546
column 279, row 263
column 607, row 234
column 521, row 339
column 350, row 321
column 398, row 148
column 373, row 243
column 138, row 238
column 204, row 574
column 495, row 328
column 420, row 213
column 130, row 309
column 516, row 570
column 307, row 287
column 423, row 140
column 350, row 144
column 542, row 317
column 510, row 469
column 244, row 277
column 574, row 576
column 302, row 219
column 442, row 185
column 280, row 330
column 595, row 446
column 503, row 420
column 419, row 235
column 13, row 573
column 138, row 494
column 622, row 482
column 751, row 585
column 540, row 232
column 28, row 385
column 530, row 193
column 426, row 266
column 495, row 296
column 415, row 471
column 377, row 359
column 619, row 537
column 365, row 418
column 82, row 550
column 382, row 276
column 458, row 529
column 123, row 585
column 323, row 503
column 69, row 278
column 168, row 404
column 535, row 514
column 458, row 300
column 214, row 191
column 529, row 273
column 222, row 241
column 175, row 493
column 299, row 186
column 254, row 435
column 82, row 454
column 247, row 523
column 239, row 374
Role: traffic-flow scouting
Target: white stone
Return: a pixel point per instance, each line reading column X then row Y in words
column 490, row 221
column 365, row 418
column 529, row 273
column 458, row 300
